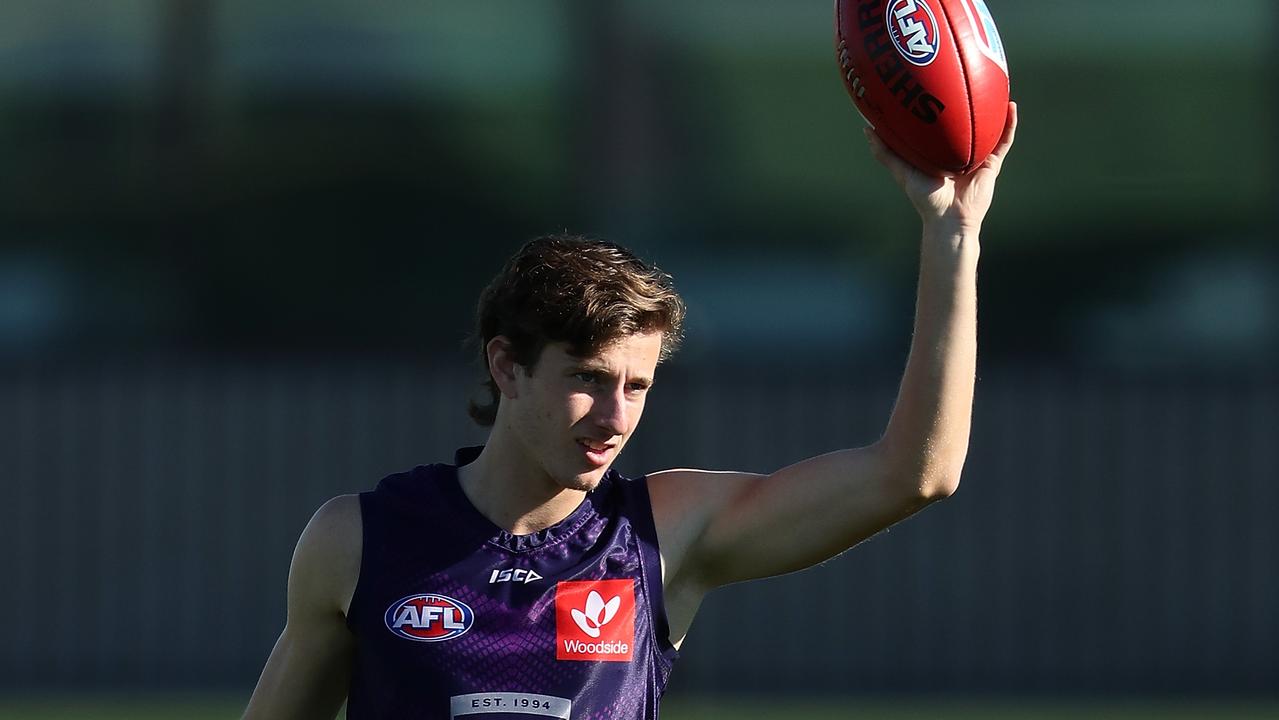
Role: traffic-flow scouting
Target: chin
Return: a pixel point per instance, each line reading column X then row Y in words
column 584, row 482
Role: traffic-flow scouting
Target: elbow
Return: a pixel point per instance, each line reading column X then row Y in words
column 925, row 476
column 939, row 486
column 941, row 480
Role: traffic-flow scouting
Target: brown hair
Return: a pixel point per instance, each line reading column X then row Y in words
column 576, row 290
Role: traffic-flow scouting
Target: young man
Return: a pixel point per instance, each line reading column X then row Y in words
column 530, row 579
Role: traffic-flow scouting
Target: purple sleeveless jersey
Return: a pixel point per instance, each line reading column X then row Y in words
column 456, row 618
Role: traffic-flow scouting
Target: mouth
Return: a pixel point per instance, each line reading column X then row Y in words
column 597, row 453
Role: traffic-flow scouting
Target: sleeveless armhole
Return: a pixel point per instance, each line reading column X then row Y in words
column 651, row 564
column 351, row 610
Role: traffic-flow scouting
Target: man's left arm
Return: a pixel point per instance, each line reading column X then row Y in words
column 718, row 528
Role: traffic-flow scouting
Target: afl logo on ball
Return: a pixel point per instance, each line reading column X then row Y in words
column 913, row 27
column 429, row 618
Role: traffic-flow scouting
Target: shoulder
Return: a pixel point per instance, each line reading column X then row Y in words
column 406, row 490
column 326, row 562
column 337, row 519
column 685, row 501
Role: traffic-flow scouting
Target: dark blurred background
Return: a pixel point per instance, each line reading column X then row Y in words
column 240, row 245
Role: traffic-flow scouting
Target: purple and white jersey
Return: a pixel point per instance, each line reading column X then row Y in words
column 456, row 618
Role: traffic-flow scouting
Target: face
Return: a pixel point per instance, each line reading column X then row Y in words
column 574, row 415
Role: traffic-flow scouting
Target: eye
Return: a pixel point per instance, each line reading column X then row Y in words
column 586, row 377
column 636, row 388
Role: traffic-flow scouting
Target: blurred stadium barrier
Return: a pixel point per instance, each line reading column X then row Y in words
column 1113, row 533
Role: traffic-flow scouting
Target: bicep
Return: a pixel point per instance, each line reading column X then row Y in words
column 763, row 525
column 307, row 673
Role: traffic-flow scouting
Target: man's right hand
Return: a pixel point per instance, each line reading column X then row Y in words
column 956, row 204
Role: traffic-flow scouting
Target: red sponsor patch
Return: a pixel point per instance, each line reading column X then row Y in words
column 595, row 620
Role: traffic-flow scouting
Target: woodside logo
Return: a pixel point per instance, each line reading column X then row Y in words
column 595, row 620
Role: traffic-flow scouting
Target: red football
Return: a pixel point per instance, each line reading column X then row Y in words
column 930, row 76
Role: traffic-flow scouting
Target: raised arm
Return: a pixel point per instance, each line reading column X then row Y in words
column 309, row 668
column 718, row 528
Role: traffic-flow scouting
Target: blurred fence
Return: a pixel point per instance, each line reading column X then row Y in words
column 1111, row 532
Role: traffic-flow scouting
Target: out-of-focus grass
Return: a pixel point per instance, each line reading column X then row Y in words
column 124, row 707
column 230, row 707
column 970, row 709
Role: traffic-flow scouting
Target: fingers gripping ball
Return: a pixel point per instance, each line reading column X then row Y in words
column 930, row 76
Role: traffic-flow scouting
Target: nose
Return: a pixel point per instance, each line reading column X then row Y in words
column 610, row 411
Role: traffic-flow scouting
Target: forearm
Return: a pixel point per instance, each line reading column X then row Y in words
column 926, row 440
column 305, row 677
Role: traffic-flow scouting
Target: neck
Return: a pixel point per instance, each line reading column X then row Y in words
column 512, row 491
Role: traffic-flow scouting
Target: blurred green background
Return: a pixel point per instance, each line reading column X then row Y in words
column 240, row 244
column 220, row 173
column 727, row 709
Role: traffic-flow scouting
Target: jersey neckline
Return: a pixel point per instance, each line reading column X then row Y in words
column 499, row 536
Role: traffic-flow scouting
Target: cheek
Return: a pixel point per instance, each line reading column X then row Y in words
column 636, row 411
column 578, row 406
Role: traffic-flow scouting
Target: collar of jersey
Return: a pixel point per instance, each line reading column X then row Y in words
column 521, row 543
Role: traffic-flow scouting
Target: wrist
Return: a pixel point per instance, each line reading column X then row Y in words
column 944, row 233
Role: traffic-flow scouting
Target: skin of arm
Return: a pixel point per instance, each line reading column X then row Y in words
column 717, row 528
column 308, row 671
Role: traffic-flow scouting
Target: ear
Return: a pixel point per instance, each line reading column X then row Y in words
column 502, row 365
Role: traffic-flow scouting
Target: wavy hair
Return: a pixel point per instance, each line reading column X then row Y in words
column 577, row 290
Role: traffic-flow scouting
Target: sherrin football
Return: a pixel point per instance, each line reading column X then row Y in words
column 930, row 76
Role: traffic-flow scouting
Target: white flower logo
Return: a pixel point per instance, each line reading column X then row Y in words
column 597, row 614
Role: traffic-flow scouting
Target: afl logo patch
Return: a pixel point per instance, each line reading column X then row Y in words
column 913, row 28
column 429, row 618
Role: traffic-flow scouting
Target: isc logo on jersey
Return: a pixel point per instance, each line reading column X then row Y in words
column 595, row 620
column 515, row 575
column 429, row 618
column 913, row 28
